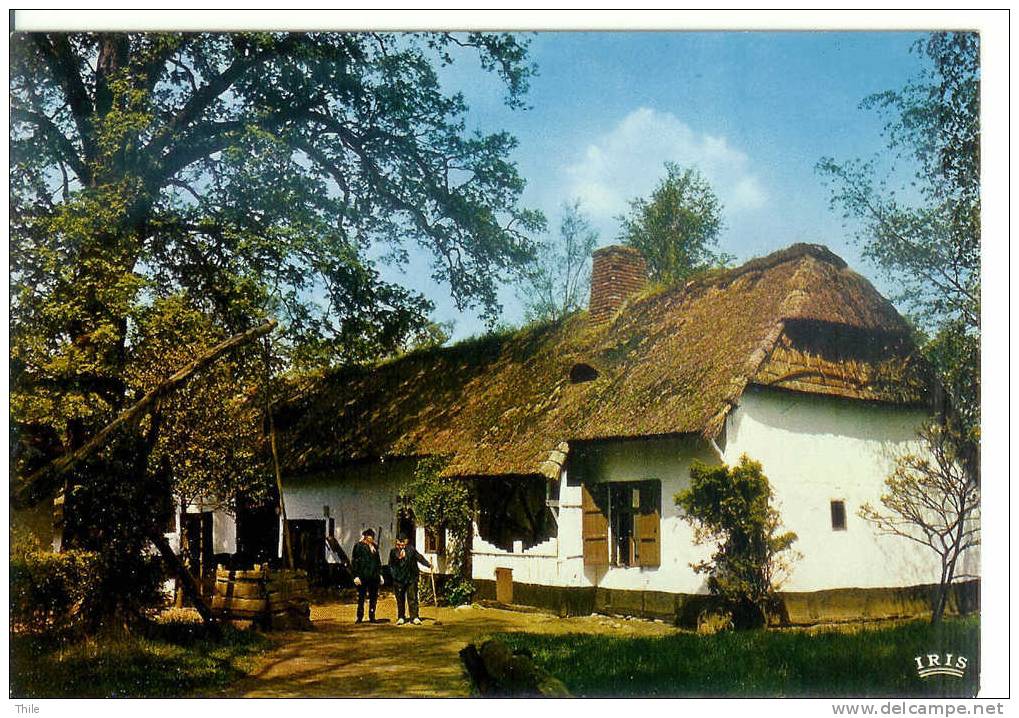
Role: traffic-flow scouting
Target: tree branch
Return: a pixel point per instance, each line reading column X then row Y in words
column 136, row 411
column 56, row 50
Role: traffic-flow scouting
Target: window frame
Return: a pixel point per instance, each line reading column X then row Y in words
column 841, row 512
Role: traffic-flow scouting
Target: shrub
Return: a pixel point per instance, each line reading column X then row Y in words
column 51, row 590
column 458, row 591
column 732, row 508
column 70, row 589
column 447, row 504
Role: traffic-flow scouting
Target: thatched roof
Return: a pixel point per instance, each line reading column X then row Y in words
column 671, row 362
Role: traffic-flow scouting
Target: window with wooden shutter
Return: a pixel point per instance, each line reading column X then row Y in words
column 595, row 528
column 647, row 525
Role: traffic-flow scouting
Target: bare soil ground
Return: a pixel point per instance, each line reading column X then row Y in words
column 340, row 658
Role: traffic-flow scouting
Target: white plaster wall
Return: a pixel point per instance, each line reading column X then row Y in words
column 817, row 449
column 359, row 497
column 813, row 449
column 539, row 564
column 562, row 562
column 224, row 529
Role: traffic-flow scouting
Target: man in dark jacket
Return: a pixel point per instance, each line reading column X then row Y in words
column 403, row 562
column 366, row 566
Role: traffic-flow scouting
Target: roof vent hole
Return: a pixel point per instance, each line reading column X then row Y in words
column 582, row 372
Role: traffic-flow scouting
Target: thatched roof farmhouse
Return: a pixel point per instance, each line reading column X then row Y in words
column 666, row 362
column 577, row 435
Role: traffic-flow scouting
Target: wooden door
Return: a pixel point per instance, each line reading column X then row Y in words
column 504, row 585
column 595, row 530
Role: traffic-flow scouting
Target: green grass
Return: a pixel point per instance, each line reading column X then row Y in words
column 174, row 658
column 863, row 662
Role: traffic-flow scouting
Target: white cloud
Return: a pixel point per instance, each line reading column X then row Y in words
column 629, row 160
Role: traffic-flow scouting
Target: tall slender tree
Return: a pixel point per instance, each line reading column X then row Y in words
column 558, row 280
column 925, row 235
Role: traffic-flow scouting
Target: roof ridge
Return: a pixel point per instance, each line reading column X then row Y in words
column 788, row 254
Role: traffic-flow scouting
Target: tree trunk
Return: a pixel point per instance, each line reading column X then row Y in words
column 942, row 594
column 185, row 540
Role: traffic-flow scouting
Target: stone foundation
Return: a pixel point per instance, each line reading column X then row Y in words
column 795, row 609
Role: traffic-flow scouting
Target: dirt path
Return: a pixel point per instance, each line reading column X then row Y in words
column 340, row 658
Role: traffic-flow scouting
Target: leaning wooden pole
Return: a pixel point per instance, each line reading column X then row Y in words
column 133, row 414
column 288, row 551
column 136, row 411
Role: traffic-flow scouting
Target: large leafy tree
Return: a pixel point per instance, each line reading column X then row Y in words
column 925, row 234
column 919, row 220
column 256, row 174
column 252, row 175
column 677, row 227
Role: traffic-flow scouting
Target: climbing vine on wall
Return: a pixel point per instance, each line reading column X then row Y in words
column 446, row 503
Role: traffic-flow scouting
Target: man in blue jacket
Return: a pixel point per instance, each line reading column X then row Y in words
column 366, row 566
column 403, row 562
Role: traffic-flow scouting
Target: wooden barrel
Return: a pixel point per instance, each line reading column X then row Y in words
column 274, row 599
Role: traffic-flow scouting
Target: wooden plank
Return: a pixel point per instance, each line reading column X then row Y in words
column 595, row 531
column 649, row 547
column 257, row 574
column 235, row 613
column 240, row 589
column 241, row 604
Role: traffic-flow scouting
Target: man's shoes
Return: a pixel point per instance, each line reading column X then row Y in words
column 359, row 620
column 416, row 621
column 373, row 620
column 400, row 622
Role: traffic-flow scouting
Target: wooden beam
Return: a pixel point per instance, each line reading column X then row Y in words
column 136, row 411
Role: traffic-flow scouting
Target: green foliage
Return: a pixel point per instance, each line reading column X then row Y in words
column 677, row 226
column 924, row 230
column 732, row 508
column 931, row 500
column 114, row 518
column 837, row 661
column 558, row 280
column 251, row 171
column 171, row 189
column 50, row 590
column 458, row 591
column 446, row 503
column 207, row 437
column 431, row 336
column 169, row 659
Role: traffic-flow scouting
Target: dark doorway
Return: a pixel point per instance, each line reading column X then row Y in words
column 258, row 535
column 406, row 525
column 307, row 543
column 514, row 509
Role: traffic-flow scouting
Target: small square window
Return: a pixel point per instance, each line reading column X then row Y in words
column 838, row 515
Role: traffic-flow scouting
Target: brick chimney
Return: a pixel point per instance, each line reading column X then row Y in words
column 617, row 272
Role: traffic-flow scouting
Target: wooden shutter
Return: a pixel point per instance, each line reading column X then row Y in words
column 647, row 526
column 595, row 531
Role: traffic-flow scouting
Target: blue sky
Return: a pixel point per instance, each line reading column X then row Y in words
column 753, row 111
